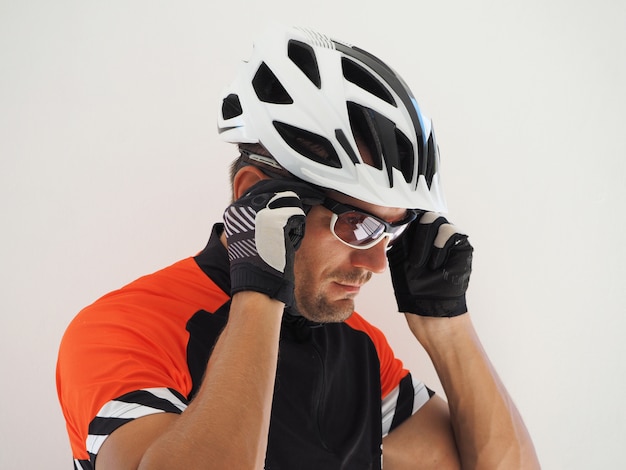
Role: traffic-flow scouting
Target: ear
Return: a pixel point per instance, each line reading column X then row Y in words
column 245, row 178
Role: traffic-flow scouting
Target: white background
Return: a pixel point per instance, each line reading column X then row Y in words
column 110, row 168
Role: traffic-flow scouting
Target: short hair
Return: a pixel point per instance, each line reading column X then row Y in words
column 258, row 156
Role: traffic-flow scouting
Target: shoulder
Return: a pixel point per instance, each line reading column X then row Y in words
column 358, row 323
column 391, row 368
column 109, row 349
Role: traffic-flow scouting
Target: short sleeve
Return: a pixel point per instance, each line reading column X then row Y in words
column 125, row 356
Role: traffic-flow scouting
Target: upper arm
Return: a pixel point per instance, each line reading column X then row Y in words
column 424, row 440
column 125, row 447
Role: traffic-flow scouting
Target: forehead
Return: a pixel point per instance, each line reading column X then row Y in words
column 390, row 214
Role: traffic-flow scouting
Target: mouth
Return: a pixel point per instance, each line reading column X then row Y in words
column 349, row 289
column 348, row 285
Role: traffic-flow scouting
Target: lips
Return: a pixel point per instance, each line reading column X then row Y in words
column 350, row 289
column 349, row 284
column 346, row 290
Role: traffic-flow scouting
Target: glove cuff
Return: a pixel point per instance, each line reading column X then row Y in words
column 247, row 277
column 432, row 307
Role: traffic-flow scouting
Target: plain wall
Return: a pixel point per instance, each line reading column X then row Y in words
column 111, row 167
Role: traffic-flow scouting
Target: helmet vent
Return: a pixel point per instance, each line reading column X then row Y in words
column 268, row 88
column 312, row 146
column 406, row 155
column 365, row 133
column 432, row 154
column 362, row 78
column 303, row 56
column 345, row 144
column 231, row 107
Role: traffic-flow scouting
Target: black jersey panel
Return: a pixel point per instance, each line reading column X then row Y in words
column 327, row 403
column 204, row 328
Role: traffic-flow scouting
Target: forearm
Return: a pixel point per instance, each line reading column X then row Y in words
column 489, row 431
column 226, row 425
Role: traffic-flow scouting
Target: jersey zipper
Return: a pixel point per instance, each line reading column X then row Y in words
column 320, row 399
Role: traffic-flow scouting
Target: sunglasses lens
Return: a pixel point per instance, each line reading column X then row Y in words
column 358, row 229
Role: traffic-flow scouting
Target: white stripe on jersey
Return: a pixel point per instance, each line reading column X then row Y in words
column 78, row 465
column 165, row 394
column 120, row 409
column 94, row 443
column 123, row 410
column 390, row 402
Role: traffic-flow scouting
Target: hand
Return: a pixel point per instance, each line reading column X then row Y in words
column 430, row 268
column 264, row 229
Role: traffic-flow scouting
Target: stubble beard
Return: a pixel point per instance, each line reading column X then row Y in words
column 314, row 305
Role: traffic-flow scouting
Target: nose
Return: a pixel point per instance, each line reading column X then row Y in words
column 373, row 259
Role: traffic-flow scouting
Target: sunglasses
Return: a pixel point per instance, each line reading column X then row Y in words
column 362, row 230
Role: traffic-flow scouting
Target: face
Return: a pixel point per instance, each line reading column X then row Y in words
column 328, row 273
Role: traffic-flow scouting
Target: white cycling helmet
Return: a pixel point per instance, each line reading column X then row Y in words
column 307, row 99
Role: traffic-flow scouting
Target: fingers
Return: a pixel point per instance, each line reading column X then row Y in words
column 263, row 230
column 283, row 220
column 436, row 237
column 425, row 232
column 309, row 194
column 430, row 268
column 445, row 234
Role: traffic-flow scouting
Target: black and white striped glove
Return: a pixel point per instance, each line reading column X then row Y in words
column 430, row 268
column 264, row 229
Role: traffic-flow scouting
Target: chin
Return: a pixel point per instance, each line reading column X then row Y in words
column 323, row 312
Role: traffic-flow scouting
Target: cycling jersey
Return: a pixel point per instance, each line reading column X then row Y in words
column 143, row 349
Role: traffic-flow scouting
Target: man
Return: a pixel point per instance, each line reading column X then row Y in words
column 250, row 355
